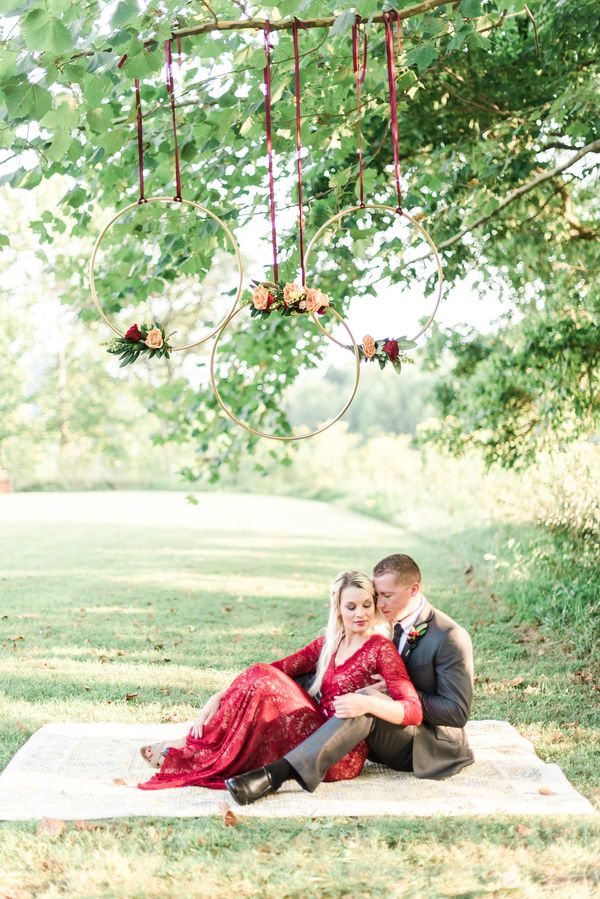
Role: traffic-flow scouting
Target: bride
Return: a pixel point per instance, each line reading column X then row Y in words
column 265, row 713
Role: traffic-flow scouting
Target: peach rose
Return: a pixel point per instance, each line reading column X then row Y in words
column 260, row 297
column 291, row 294
column 313, row 299
column 154, row 339
column 369, row 348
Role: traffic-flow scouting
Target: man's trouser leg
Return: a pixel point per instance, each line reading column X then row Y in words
column 391, row 745
column 330, row 743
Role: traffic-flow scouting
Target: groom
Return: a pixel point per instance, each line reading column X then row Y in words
column 439, row 659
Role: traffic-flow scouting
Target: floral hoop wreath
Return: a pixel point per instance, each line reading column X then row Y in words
column 286, row 437
column 163, row 348
column 371, row 349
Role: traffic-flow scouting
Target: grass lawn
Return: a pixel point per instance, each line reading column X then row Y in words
column 102, row 595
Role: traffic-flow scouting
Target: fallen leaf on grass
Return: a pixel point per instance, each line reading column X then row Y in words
column 229, row 817
column 50, row 827
column 531, row 690
column 119, row 782
column 86, row 825
column 16, row 638
column 20, row 726
column 228, row 608
column 586, row 677
column 524, row 831
column 515, row 682
column 546, row 791
column 130, row 696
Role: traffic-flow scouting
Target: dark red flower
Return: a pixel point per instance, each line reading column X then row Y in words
column 270, row 299
column 134, row 334
column 322, row 310
column 391, row 348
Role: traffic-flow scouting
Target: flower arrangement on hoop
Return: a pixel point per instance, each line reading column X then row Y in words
column 149, row 340
column 288, row 299
column 386, row 351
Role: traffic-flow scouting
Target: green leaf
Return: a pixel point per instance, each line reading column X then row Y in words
column 343, row 22
column 26, row 100
column 44, row 32
column 64, row 116
column 422, row 56
column 59, row 146
column 96, row 89
column 340, row 178
column 4, row 241
column 125, row 13
column 470, row 9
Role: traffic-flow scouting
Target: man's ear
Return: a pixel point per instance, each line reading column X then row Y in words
column 416, row 588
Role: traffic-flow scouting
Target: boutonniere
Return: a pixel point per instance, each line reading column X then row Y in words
column 415, row 634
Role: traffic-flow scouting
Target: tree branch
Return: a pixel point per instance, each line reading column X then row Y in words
column 594, row 147
column 287, row 24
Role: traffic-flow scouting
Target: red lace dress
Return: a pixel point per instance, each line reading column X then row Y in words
column 264, row 714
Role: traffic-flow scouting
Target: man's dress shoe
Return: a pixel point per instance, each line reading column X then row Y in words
column 247, row 788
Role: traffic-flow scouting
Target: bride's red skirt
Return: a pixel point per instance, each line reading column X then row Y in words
column 262, row 716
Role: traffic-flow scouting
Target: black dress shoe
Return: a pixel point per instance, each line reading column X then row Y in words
column 247, row 788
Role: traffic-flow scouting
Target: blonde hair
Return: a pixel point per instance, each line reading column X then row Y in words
column 335, row 630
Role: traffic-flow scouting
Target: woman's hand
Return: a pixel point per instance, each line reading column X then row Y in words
column 351, row 705
column 205, row 714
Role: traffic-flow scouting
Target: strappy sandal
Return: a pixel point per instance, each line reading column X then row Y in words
column 157, row 755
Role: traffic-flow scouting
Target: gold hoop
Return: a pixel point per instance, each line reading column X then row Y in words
column 420, row 228
column 251, row 430
column 215, row 218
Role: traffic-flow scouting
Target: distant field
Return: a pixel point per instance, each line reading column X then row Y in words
column 107, row 594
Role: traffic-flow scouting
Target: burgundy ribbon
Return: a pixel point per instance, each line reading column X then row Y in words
column 171, row 92
column 267, row 76
column 359, row 78
column 391, row 69
column 295, row 27
column 140, row 139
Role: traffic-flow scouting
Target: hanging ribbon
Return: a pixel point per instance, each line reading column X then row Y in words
column 391, row 69
column 359, row 78
column 295, row 27
column 267, row 76
column 140, row 139
column 171, row 92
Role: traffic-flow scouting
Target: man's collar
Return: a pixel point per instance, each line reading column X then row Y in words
column 407, row 622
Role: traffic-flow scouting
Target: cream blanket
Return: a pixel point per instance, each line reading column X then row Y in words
column 76, row 771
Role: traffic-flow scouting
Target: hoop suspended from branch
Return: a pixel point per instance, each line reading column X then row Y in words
column 272, row 296
column 151, row 340
column 388, row 349
column 137, row 345
column 285, row 437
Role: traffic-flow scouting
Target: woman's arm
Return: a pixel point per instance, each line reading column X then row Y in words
column 405, row 707
column 208, row 711
column 353, row 705
column 302, row 662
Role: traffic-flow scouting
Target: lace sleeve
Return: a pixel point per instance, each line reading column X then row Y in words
column 399, row 685
column 302, row 662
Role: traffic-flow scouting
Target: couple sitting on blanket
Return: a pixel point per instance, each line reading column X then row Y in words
column 350, row 695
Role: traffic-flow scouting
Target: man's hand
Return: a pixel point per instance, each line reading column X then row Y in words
column 376, row 689
column 205, row 714
column 351, row 705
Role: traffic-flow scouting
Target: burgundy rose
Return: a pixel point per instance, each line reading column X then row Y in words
column 391, row 348
column 270, row 299
column 134, row 334
column 322, row 310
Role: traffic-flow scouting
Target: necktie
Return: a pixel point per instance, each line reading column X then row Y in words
column 398, row 631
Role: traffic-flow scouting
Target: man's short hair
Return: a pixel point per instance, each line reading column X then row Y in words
column 404, row 569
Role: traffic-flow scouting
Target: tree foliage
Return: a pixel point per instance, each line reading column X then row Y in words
column 493, row 95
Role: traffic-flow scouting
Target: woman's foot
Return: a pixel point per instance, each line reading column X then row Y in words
column 154, row 754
